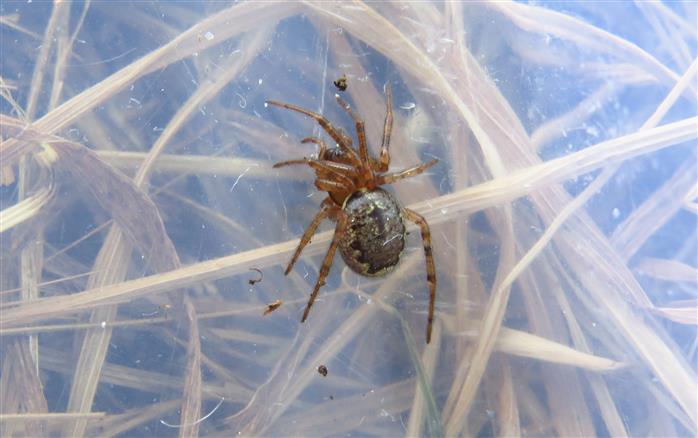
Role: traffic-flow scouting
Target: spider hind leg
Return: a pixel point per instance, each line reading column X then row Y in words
column 429, row 256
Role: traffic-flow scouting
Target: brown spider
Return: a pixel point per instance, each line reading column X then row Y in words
column 370, row 231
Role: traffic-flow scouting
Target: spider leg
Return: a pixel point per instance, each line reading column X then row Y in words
column 322, row 147
column 319, row 164
column 429, row 256
column 345, row 169
column 348, row 141
column 290, row 162
column 325, row 124
column 342, row 221
column 327, row 185
column 325, row 209
column 390, row 178
column 338, row 170
column 360, row 130
column 387, row 130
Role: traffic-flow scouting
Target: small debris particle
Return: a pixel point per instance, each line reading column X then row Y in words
column 178, row 426
column 254, row 281
column 322, row 369
column 162, row 308
column 209, row 35
column 272, row 306
column 341, row 83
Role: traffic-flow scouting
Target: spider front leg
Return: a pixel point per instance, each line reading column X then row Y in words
column 429, row 256
column 339, row 231
column 324, row 124
column 360, row 131
column 342, row 172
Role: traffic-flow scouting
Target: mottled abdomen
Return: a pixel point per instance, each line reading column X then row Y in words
column 375, row 235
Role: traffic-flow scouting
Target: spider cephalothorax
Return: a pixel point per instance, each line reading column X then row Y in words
column 370, row 231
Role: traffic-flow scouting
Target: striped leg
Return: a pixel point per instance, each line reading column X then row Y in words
column 321, row 146
column 331, row 187
column 360, row 131
column 390, row 178
column 325, row 124
column 341, row 172
column 387, row 130
column 342, row 221
column 431, row 270
column 325, row 209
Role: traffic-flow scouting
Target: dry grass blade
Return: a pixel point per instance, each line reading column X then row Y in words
column 110, row 267
column 191, row 402
column 424, row 394
column 658, row 355
column 56, row 25
column 670, row 270
column 115, row 425
column 553, row 129
column 190, row 164
column 683, row 315
column 12, row 151
column 154, row 284
column 245, row 15
column 524, row 344
column 9, row 123
column 609, row 410
column 508, row 420
column 252, row 44
column 420, row 409
column 647, row 218
column 191, row 397
column 12, row 21
column 64, row 52
column 548, row 22
column 134, row 378
column 26, row 209
column 525, row 181
column 25, row 394
column 497, row 306
column 130, row 206
column 52, row 417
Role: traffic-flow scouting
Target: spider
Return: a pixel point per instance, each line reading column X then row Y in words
column 370, row 231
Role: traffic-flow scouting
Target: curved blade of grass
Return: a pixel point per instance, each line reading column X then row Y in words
column 26, row 209
column 433, row 418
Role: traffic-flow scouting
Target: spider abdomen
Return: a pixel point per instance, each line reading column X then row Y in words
column 375, row 235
